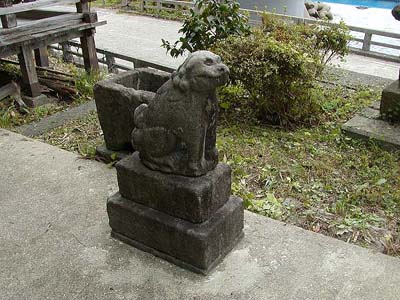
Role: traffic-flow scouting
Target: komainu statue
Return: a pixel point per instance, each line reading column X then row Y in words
column 176, row 131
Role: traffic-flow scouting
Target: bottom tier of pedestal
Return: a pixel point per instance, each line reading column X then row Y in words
column 197, row 247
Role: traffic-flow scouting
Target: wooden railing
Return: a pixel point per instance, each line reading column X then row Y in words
column 27, row 31
column 362, row 42
column 108, row 58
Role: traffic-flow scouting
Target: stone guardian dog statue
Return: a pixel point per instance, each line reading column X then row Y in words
column 176, row 132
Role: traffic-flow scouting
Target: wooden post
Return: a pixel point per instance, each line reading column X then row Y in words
column 8, row 21
column 110, row 61
column 28, row 71
column 42, row 57
column 158, row 5
column 83, row 6
column 66, row 54
column 87, row 40
column 89, row 52
column 141, row 5
column 139, row 64
column 367, row 41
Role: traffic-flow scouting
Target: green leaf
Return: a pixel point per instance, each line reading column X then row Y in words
column 381, row 181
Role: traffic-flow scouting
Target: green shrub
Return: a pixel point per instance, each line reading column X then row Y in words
column 209, row 22
column 331, row 41
column 277, row 76
column 278, row 65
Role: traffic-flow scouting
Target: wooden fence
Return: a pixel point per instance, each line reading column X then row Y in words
column 108, row 58
column 27, row 31
column 363, row 41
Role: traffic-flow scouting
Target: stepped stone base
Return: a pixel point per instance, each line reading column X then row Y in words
column 368, row 125
column 194, row 199
column 390, row 102
column 197, row 247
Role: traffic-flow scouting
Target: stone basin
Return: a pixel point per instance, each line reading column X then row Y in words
column 117, row 98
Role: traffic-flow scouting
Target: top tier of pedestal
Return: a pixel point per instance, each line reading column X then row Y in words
column 194, row 199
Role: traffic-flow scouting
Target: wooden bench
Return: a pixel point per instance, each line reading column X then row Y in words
column 27, row 30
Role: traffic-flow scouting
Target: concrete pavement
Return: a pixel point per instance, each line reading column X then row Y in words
column 55, row 244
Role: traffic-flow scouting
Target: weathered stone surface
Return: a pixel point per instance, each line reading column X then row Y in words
column 118, row 97
column 108, row 155
column 366, row 125
column 198, row 247
column 176, row 131
column 36, row 101
column 191, row 198
column 390, row 102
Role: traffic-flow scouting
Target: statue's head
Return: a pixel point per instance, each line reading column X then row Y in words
column 202, row 71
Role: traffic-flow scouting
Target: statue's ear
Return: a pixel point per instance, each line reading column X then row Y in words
column 179, row 79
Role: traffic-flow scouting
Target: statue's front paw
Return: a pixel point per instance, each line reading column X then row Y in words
column 192, row 166
column 197, row 165
column 212, row 154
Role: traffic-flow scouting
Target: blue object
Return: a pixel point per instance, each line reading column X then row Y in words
column 389, row 4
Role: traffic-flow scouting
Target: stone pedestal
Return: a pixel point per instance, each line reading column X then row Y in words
column 190, row 221
column 390, row 102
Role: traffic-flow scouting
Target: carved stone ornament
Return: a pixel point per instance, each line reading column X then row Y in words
column 176, row 131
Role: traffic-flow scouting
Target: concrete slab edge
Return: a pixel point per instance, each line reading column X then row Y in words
column 56, row 120
column 369, row 136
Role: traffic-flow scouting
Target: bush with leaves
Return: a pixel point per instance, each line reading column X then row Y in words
column 329, row 39
column 278, row 66
column 208, row 22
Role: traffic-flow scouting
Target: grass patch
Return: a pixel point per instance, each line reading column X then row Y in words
column 81, row 136
column 106, row 3
column 133, row 8
column 317, row 178
column 12, row 116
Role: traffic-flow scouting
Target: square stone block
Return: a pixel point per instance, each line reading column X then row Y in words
column 390, row 102
column 191, row 198
column 197, row 247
